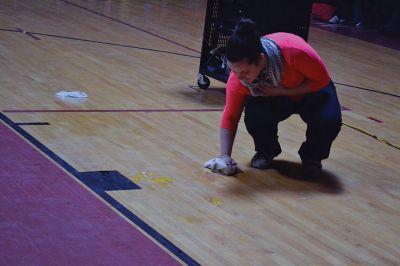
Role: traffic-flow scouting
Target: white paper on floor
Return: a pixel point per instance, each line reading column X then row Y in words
column 72, row 97
column 72, row 94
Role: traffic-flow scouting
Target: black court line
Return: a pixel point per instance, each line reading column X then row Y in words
column 28, row 33
column 371, row 90
column 33, row 124
column 97, row 185
column 1, row 29
column 130, row 25
column 111, row 44
column 32, row 34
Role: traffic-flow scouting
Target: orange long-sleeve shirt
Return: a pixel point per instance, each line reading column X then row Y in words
column 301, row 64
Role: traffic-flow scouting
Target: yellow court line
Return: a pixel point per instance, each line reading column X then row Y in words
column 372, row 135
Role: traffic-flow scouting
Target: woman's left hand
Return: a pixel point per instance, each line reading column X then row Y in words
column 274, row 91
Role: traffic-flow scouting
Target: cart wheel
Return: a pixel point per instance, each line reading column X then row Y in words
column 203, row 82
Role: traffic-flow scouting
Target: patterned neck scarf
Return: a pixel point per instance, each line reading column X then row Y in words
column 272, row 75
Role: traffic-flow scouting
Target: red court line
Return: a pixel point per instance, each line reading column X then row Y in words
column 114, row 111
column 374, row 119
column 47, row 218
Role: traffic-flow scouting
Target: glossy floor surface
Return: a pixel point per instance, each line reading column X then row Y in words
column 137, row 143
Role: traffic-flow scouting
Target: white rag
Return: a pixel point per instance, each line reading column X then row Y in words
column 73, row 94
column 223, row 165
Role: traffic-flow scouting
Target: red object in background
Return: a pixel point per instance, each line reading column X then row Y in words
column 322, row 11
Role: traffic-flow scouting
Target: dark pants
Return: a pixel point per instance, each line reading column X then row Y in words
column 320, row 111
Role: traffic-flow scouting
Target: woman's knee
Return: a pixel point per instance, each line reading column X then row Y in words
column 331, row 123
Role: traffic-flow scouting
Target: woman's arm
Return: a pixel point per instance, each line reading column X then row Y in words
column 235, row 100
column 227, row 137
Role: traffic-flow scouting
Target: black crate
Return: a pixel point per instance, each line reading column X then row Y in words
column 222, row 15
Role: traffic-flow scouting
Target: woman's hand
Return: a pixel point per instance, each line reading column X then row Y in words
column 222, row 165
column 274, row 91
column 281, row 90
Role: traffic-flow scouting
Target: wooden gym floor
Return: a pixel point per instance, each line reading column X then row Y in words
column 117, row 177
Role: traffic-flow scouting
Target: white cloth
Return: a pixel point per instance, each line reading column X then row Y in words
column 73, row 94
column 223, row 165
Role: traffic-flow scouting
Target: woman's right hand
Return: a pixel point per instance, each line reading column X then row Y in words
column 222, row 165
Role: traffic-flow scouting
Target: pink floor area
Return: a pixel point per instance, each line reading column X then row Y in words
column 48, row 218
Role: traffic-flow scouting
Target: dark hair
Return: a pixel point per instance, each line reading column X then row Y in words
column 244, row 43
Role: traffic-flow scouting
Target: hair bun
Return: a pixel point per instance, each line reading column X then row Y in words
column 246, row 27
column 244, row 43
